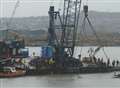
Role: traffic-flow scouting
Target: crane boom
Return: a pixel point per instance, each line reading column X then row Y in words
column 11, row 18
column 69, row 25
column 71, row 14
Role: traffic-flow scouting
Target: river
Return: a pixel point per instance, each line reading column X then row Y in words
column 100, row 80
column 112, row 52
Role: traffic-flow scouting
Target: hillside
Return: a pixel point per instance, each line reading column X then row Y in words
column 35, row 29
column 102, row 21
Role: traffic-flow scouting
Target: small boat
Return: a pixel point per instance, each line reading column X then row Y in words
column 8, row 72
column 117, row 75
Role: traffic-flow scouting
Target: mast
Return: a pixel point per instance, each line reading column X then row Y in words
column 51, row 29
column 68, row 25
column 71, row 14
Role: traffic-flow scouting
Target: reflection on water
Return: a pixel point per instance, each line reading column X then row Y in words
column 105, row 80
column 63, row 81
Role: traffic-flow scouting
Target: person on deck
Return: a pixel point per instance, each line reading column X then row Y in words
column 108, row 62
column 79, row 56
column 117, row 63
column 113, row 63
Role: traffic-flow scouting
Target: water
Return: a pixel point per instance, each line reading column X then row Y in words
column 101, row 80
column 105, row 80
column 112, row 52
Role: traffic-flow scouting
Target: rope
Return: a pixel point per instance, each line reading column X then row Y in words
column 94, row 32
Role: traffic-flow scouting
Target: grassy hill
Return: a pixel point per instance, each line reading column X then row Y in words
column 34, row 29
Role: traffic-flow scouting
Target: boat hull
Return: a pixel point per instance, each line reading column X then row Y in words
column 12, row 74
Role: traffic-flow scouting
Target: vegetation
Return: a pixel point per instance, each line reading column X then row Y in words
column 34, row 29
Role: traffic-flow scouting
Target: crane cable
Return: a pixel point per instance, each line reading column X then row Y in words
column 97, row 37
column 13, row 13
column 11, row 17
column 94, row 32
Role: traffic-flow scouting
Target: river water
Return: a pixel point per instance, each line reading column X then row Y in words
column 112, row 52
column 100, row 80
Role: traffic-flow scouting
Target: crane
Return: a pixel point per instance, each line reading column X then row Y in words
column 11, row 18
column 71, row 13
column 69, row 25
column 86, row 19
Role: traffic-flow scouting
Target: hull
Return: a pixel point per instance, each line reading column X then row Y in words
column 12, row 74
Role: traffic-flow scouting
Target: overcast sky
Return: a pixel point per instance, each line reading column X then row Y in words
column 40, row 7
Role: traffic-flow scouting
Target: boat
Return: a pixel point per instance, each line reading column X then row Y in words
column 116, row 74
column 61, row 51
column 12, row 52
column 57, row 55
column 8, row 72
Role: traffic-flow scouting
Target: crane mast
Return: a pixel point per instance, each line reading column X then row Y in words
column 69, row 25
column 71, row 14
column 11, row 18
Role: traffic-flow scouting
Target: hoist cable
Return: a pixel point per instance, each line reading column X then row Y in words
column 11, row 18
column 84, row 29
column 98, row 39
column 92, row 28
column 78, row 17
column 13, row 13
column 105, row 53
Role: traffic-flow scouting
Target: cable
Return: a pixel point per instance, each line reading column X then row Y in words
column 14, row 10
column 11, row 18
column 93, row 30
column 105, row 53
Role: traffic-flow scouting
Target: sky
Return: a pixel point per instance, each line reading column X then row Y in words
column 40, row 7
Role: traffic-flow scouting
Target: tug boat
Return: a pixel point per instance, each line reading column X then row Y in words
column 7, row 72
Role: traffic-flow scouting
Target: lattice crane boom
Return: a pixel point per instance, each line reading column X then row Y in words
column 71, row 14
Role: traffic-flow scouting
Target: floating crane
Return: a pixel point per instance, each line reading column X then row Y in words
column 68, row 25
